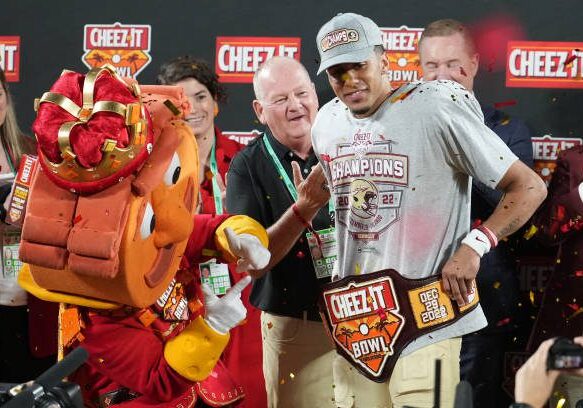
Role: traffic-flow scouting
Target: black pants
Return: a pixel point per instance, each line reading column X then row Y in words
column 482, row 365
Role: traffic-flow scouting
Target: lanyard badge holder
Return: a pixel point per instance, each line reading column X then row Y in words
column 322, row 243
column 216, row 275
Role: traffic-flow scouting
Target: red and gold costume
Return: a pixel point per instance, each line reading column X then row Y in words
column 109, row 222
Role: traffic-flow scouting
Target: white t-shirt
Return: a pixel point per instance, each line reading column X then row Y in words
column 401, row 182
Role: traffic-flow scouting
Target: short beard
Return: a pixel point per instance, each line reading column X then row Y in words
column 360, row 111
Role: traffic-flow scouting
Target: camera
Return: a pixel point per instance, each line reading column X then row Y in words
column 564, row 355
column 48, row 390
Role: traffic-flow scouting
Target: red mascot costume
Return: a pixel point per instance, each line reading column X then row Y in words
column 110, row 232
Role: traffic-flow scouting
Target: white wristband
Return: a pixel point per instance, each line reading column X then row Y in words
column 478, row 241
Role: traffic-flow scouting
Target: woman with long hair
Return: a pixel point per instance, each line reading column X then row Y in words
column 20, row 358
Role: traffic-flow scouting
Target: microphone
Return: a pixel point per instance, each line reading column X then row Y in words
column 44, row 386
column 463, row 395
column 63, row 368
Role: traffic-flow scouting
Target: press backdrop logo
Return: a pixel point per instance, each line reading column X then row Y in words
column 401, row 45
column 537, row 64
column 241, row 137
column 10, row 57
column 546, row 149
column 239, row 57
column 125, row 47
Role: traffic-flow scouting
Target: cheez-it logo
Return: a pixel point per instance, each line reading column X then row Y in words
column 238, row 58
column 365, row 321
column 401, row 48
column 547, row 147
column 10, row 57
column 125, row 46
column 538, row 64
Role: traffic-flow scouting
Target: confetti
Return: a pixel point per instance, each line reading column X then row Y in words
column 292, row 376
column 171, row 107
column 570, row 59
column 574, row 306
column 529, row 233
column 382, row 314
column 496, row 285
column 531, row 296
column 510, row 102
column 503, row 322
column 477, row 222
column 300, row 255
column 269, row 325
column 561, row 402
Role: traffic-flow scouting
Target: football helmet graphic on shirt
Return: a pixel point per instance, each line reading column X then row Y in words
column 364, row 203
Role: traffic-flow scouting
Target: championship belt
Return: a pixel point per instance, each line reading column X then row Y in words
column 372, row 318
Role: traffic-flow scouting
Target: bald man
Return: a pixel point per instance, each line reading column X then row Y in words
column 266, row 181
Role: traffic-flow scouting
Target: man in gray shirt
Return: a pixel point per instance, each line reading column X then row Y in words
column 400, row 164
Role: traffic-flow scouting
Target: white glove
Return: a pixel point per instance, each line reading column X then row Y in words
column 251, row 253
column 222, row 314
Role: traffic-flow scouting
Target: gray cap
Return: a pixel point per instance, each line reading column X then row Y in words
column 347, row 38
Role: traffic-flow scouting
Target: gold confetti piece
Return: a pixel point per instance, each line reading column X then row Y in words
column 282, row 382
column 528, row 234
column 531, row 297
column 292, row 376
column 171, row 107
column 496, row 285
column 561, row 402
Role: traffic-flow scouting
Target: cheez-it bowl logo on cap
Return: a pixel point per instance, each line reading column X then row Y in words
column 338, row 37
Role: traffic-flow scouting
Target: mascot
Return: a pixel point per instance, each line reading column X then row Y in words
column 110, row 232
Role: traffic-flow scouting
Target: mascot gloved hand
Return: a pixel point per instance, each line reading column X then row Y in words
column 222, row 314
column 249, row 249
column 111, row 229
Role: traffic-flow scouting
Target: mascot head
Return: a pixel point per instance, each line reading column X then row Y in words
column 111, row 208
